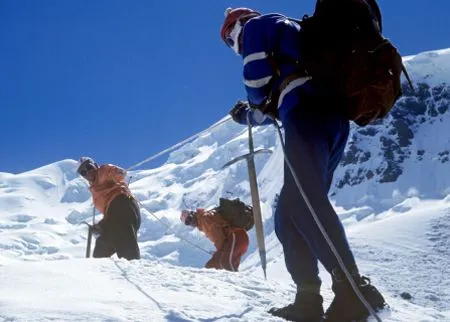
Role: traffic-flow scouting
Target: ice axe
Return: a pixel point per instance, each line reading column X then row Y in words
column 254, row 192
column 90, row 231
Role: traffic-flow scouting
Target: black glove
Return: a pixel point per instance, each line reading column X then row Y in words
column 237, row 111
column 97, row 229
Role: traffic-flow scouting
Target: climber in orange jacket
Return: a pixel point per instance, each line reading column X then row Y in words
column 231, row 242
column 121, row 214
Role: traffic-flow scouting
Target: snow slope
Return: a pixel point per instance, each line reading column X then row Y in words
column 391, row 192
column 398, row 258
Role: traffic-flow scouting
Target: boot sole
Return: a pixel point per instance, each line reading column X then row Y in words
column 383, row 313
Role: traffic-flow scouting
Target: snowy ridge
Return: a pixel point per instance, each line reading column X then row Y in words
column 391, row 192
column 431, row 67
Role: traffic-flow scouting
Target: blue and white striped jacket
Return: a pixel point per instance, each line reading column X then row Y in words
column 264, row 36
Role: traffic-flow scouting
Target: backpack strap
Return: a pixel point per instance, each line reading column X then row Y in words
column 408, row 78
column 386, row 41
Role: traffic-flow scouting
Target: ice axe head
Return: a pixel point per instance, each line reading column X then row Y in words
column 246, row 156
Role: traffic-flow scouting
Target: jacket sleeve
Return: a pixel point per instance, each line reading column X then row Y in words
column 200, row 219
column 258, row 69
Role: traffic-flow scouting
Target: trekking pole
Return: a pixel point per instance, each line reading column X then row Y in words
column 254, row 192
column 322, row 230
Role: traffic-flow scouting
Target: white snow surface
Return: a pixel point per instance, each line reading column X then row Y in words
column 403, row 244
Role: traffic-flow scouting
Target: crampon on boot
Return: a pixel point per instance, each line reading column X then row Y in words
column 307, row 307
column 346, row 306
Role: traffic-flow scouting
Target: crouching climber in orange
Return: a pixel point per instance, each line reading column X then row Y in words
column 231, row 242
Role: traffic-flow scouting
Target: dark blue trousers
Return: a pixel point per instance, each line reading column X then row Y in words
column 315, row 143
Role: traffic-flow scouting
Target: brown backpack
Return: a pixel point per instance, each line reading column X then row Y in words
column 236, row 213
column 344, row 50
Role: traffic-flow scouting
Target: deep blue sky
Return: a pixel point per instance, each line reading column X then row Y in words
column 122, row 80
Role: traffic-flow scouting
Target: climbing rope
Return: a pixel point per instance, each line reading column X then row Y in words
column 169, row 228
column 176, row 146
column 310, row 207
column 183, row 239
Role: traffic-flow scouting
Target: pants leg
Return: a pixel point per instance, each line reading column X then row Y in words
column 123, row 222
column 314, row 145
column 103, row 248
column 235, row 247
column 215, row 261
column 126, row 243
column 300, row 261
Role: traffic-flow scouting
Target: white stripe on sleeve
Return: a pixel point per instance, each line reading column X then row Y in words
column 256, row 56
column 257, row 83
column 292, row 85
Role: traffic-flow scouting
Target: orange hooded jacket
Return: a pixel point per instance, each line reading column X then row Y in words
column 108, row 184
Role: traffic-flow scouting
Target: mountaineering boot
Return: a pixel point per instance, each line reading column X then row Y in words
column 307, row 306
column 346, row 306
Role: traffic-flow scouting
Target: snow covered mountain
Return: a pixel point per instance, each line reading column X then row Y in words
column 408, row 153
column 392, row 192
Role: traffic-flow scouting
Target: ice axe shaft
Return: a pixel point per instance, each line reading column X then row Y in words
column 257, row 212
column 89, row 241
column 254, row 193
column 90, row 232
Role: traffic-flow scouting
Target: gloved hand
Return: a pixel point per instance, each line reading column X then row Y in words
column 97, row 229
column 237, row 111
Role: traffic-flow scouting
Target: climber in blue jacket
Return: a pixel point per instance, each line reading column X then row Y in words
column 316, row 133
